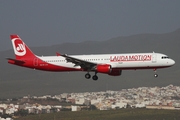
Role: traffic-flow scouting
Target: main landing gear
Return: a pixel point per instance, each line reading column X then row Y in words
column 88, row 76
column 155, row 75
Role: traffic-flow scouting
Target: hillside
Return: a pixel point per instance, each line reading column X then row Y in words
column 122, row 114
column 16, row 81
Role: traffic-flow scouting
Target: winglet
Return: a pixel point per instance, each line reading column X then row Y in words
column 58, row 54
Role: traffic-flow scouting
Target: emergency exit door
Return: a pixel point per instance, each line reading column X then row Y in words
column 154, row 58
column 35, row 62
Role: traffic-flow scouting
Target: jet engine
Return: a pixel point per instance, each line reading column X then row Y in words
column 107, row 69
column 115, row 72
column 103, row 68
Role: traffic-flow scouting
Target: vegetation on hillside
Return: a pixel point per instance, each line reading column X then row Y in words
column 122, row 114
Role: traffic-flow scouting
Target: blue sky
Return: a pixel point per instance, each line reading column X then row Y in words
column 49, row 22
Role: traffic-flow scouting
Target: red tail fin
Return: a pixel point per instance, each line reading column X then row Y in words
column 21, row 50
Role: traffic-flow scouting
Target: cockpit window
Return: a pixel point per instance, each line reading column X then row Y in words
column 165, row 57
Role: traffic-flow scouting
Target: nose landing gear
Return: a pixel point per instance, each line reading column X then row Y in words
column 155, row 75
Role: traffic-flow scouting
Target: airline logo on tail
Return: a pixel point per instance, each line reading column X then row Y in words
column 19, row 47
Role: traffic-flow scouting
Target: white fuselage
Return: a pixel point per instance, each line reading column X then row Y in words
column 118, row 61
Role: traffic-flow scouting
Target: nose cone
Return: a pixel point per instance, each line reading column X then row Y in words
column 172, row 62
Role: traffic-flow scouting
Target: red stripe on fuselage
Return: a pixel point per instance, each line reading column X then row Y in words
column 135, row 68
column 36, row 63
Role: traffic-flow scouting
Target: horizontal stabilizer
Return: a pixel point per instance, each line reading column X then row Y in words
column 15, row 61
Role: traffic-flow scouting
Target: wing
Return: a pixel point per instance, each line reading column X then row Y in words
column 86, row 65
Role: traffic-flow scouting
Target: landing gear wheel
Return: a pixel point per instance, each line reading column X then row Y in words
column 95, row 77
column 87, row 76
column 155, row 75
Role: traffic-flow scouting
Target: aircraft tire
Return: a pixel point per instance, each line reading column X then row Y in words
column 155, row 75
column 95, row 77
column 87, row 76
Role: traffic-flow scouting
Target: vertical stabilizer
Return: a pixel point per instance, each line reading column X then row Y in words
column 21, row 50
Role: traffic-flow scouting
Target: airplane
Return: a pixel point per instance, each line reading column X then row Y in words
column 110, row 64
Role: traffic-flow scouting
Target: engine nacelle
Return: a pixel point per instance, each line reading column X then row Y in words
column 107, row 69
column 115, row 72
column 104, row 68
